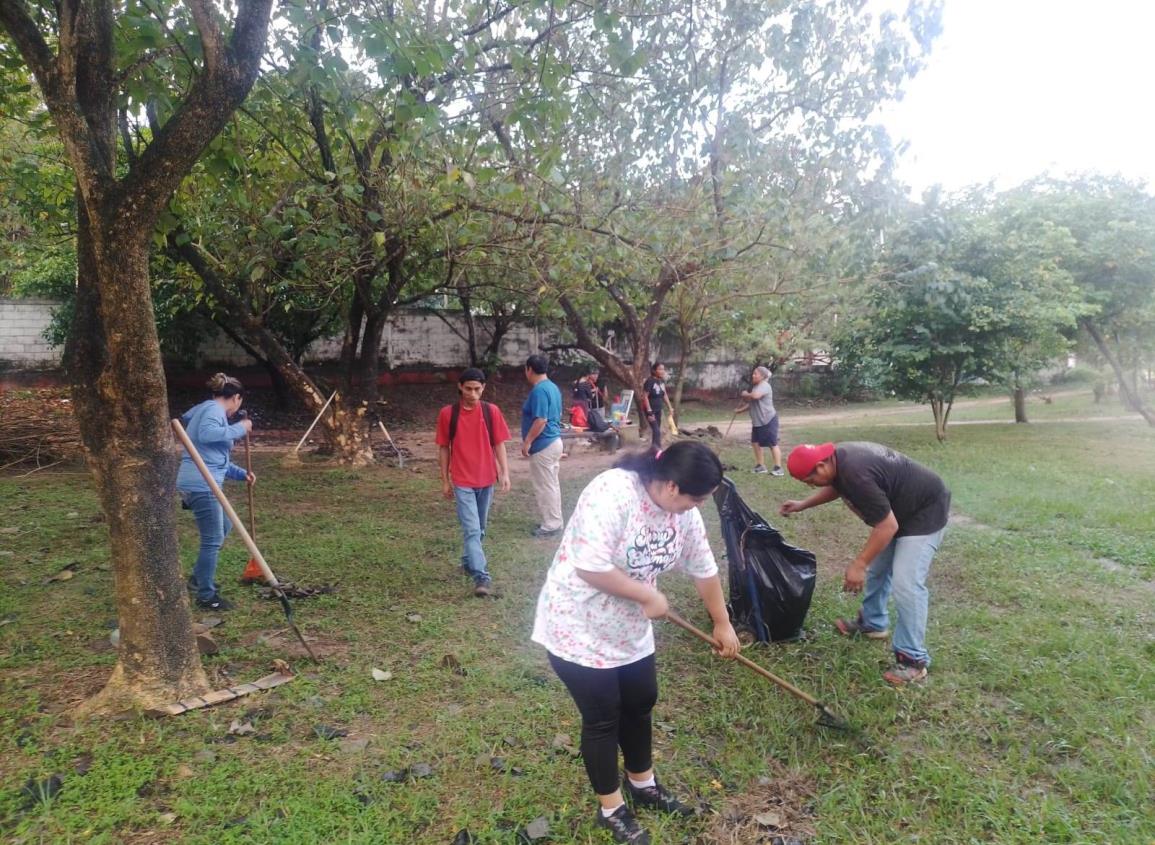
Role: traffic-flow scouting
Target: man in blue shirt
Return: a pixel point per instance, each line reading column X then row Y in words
column 541, row 443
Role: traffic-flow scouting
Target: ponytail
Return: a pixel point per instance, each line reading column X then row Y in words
column 227, row 386
column 692, row 466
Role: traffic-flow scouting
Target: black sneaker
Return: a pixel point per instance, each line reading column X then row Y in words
column 217, row 602
column 657, row 797
column 623, row 824
column 192, row 583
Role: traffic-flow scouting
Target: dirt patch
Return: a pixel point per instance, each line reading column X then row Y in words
column 961, row 520
column 67, row 689
column 285, row 645
column 776, row 808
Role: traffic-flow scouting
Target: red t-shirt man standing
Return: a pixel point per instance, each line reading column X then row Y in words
column 471, row 437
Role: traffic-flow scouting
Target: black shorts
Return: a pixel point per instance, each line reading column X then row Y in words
column 765, row 435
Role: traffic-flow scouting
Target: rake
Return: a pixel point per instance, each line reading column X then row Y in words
column 826, row 717
column 270, row 578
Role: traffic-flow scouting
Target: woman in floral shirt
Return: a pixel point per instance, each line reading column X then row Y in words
column 593, row 615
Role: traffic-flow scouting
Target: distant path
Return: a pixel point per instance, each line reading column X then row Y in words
column 850, row 414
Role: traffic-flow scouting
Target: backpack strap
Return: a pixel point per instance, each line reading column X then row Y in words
column 455, row 415
column 487, row 415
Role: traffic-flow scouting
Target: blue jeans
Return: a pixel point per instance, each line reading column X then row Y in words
column 214, row 526
column 902, row 568
column 473, row 513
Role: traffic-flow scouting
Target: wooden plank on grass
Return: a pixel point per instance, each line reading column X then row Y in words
column 219, row 696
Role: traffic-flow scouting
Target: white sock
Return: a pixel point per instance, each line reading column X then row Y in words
column 642, row 784
column 607, row 813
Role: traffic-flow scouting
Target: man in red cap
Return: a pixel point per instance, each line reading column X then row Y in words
column 907, row 507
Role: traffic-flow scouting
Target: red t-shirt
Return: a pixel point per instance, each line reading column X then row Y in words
column 471, row 459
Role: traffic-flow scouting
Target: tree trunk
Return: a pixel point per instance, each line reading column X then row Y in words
column 113, row 361
column 369, row 362
column 470, row 323
column 1020, row 404
column 940, row 415
column 680, row 381
column 351, row 341
column 281, row 393
column 1133, row 399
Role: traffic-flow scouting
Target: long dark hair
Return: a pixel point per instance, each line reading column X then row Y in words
column 689, row 464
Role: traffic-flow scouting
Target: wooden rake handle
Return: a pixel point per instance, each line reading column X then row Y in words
column 249, row 470
column 745, row 661
column 182, row 435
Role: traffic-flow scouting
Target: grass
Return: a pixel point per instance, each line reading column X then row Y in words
column 1036, row 724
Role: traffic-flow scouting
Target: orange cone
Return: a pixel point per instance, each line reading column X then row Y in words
column 252, row 573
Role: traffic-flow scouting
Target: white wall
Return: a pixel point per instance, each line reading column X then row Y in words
column 22, row 325
column 411, row 339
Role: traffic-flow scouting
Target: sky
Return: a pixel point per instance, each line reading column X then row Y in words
column 1014, row 88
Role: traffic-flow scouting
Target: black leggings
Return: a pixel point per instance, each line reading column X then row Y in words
column 656, row 430
column 615, row 705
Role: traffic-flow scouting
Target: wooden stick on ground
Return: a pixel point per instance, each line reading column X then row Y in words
column 219, row 696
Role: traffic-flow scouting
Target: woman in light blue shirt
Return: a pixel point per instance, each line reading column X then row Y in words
column 208, row 427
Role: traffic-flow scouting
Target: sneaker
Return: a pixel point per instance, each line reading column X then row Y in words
column 542, row 533
column 777, row 472
column 854, row 628
column 904, row 673
column 760, row 469
column 217, row 602
column 483, row 588
column 657, row 797
column 191, row 583
column 623, row 824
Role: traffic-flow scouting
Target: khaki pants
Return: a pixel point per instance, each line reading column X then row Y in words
column 543, row 467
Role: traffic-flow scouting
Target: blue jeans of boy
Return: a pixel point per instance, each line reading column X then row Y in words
column 213, row 526
column 473, row 514
column 901, row 570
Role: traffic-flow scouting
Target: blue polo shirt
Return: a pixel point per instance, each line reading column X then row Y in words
column 544, row 402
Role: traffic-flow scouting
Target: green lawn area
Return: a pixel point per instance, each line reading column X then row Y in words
column 1036, row 724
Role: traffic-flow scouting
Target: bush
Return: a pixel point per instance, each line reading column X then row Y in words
column 1077, row 376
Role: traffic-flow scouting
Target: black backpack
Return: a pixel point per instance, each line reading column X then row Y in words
column 486, row 413
column 595, row 422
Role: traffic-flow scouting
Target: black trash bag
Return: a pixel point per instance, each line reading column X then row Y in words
column 771, row 581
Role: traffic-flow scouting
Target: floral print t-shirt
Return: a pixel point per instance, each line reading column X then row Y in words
column 615, row 524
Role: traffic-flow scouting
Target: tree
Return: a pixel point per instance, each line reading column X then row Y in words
column 965, row 291
column 87, row 59
column 1110, row 255
column 703, row 141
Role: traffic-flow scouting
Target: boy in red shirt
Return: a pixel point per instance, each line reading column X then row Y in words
column 471, row 435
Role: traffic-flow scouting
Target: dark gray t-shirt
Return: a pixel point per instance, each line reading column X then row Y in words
column 875, row 480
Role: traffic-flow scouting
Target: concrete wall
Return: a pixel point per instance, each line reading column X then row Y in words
column 412, row 339
column 22, row 325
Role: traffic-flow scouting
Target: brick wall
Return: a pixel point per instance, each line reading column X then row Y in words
column 22, row 325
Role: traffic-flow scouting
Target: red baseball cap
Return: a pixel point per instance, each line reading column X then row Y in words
column 803, row 459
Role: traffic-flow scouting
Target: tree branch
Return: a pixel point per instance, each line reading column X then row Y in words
column 204, row 111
